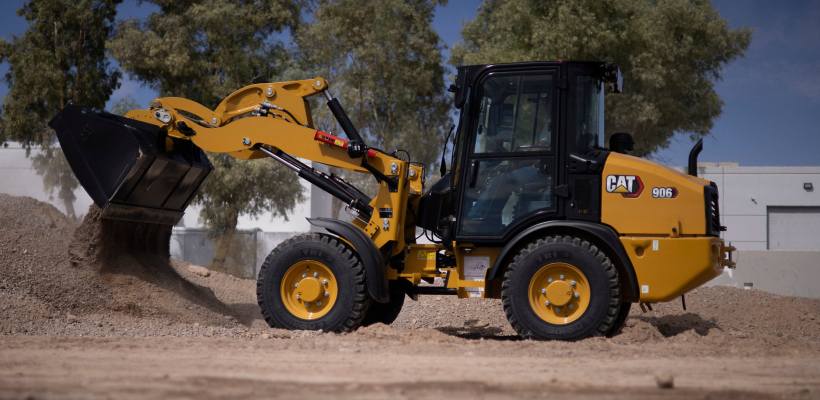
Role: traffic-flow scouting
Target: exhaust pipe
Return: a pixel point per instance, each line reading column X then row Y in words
column 693, row 157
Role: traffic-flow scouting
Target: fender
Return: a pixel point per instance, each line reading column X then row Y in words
column 602, row 236
column 368, row 252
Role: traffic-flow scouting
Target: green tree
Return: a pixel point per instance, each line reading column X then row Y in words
column 383, row 61
column 124, row 105
column 60, row 58
column 243, row 187
column 670, row 51
column 204, row 50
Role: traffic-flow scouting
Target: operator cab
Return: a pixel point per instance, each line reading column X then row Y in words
column 529, row 139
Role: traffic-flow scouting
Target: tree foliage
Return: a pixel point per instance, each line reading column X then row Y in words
column 124, row 105
column 243, row 187
column 204, row 50
column 670, row 51
column 383, row 61
column 60, row 58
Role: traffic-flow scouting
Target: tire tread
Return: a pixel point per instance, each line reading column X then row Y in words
column 611, row 273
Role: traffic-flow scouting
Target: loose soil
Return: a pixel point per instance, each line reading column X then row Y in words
column 95, row 311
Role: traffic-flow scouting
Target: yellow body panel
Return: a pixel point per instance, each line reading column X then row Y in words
column 669, row 267
column 648, row 215
column 468, row 278
column 420, row 263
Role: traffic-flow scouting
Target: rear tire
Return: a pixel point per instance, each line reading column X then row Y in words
column 620, row 321
column 386, row 313
column 344, row 298
column 535, row 277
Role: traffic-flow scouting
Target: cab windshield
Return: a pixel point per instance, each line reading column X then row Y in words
column 589, row 124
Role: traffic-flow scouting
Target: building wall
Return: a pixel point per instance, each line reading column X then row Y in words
column 788, row 273
column 18, row 178
column 748, row 195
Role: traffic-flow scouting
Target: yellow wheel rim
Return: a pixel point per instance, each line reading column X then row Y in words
column 309, row 289
column 559, row 293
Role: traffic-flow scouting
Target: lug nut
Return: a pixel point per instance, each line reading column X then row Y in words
column 549, row 280
column 315, row 274
column 547, row 303
column 543, row 291
column 327, row 294
column 318, row 303
column 572, row 283
column 304, row 275
column 577, row 295
column 296, row 284
column 324, row 282
column 570, row 306
column 557, row 309
column 562, row 277
column 307, row 304
column 298, row 297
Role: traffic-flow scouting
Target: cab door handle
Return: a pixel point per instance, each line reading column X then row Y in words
column 473, row 172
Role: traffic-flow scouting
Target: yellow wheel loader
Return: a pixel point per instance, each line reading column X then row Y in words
column 535, row 211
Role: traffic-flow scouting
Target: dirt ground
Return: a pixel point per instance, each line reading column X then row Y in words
column 84, row 318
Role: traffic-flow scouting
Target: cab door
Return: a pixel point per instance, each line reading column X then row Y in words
column 510, row 168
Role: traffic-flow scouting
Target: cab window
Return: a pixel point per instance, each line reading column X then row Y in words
column 515, row 114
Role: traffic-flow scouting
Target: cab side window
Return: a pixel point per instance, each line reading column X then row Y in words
column 515, row 114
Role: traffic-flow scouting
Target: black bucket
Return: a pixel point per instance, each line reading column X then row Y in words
column 124, row 166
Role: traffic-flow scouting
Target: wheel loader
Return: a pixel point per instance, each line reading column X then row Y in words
column 534, row 210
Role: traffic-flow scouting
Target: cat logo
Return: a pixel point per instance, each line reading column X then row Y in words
column 629, row 186
column 427, row 255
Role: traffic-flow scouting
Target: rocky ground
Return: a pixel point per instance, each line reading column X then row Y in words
column 84, row 319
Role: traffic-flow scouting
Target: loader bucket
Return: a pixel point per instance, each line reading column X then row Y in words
column 124, row 166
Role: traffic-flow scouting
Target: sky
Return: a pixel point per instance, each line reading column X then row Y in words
column 770, row 116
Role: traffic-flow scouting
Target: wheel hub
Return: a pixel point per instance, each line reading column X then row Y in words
column 559, row 293
column 309, row 289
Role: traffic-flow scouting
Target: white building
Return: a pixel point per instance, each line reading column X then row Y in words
column 767, row 208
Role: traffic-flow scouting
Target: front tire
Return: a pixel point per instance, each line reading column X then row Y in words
column 313, row 282
column 561, row 288
column 386, row 313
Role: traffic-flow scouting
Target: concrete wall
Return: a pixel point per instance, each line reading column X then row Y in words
column 746, row 193
column 193, row 246
column 18, row 178
column 788, row 273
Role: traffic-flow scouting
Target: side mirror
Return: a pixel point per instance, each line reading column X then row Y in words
column 621, row 142
column 459, row 88
column 612, row 74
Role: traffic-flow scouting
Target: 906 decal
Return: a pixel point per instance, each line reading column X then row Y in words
column 664, row 192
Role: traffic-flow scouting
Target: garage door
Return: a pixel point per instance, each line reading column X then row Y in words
column 794, row 228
